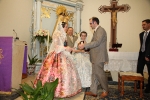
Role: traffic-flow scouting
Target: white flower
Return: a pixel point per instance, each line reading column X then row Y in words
column 41, row 33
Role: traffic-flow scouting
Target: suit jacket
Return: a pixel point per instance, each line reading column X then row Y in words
column 147, row 53
column 141, row 41
column 98, row 46
column 69, row 42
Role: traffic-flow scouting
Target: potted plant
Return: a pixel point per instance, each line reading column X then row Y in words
column 31, row 65
column 45, row 92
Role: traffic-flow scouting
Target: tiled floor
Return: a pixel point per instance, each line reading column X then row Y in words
column 30, row 78
column 80, row 96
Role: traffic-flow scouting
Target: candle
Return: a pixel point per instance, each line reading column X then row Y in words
column 47, row 40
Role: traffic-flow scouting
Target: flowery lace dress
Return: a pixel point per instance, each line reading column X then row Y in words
column 83, row 66
column 59, row 64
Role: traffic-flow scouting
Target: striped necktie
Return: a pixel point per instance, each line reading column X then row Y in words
column 144, row 40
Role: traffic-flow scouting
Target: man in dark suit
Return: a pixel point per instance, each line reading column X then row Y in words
column 71, row 39
column 98, row 56
column 147, row 58
column 144, row 41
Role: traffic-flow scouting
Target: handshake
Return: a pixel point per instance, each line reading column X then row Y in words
column 80, row 47
column 69, row 49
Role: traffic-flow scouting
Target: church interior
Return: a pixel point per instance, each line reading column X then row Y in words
column 20, row 20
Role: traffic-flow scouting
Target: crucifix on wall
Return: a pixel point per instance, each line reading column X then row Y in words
column 114, row 8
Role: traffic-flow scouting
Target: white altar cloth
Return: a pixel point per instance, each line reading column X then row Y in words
column 122, row 61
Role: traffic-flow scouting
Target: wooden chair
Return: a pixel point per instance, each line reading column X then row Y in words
column 130, row 76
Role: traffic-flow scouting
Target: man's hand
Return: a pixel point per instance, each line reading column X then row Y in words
column 73, row 50
column 68, row 49
column 82, row 51
column 147, row 59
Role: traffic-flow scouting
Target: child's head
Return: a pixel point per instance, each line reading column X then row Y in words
column 83, row 35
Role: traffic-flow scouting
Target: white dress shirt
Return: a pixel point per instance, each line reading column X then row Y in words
column 146, row 32
column 96, row 28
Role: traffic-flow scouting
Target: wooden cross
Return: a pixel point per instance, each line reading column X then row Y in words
column 114, row 8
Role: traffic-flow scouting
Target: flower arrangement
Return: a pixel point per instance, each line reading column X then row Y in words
column 42, row 35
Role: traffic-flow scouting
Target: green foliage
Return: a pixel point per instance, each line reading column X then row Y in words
column 42, row 39
column 33, row 61
column 45, row 92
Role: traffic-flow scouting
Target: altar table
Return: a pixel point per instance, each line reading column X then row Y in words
column 122, row 61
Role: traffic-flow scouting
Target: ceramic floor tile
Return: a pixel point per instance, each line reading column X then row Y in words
column 30, row 78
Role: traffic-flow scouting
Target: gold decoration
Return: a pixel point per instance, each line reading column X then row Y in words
column 1, row 55
column 69, row 17
column 45, row 12
column 66, row 19
column 63, row 15
column 61, row 10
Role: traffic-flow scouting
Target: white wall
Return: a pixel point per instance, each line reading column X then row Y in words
column 129, row 23
column 16, row 14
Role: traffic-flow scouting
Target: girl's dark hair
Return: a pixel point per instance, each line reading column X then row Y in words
column 63, row 24
column 83, row 32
